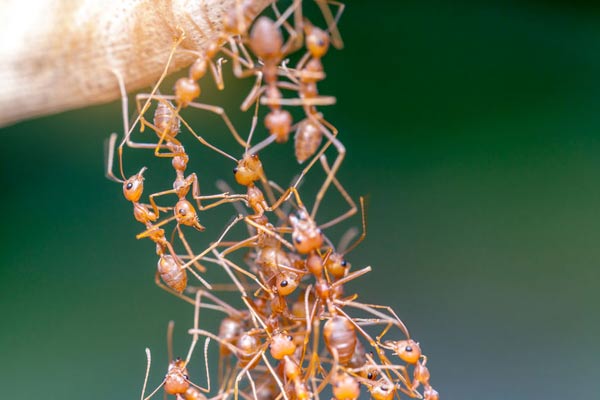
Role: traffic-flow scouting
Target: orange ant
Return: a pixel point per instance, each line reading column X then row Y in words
column 176, row 381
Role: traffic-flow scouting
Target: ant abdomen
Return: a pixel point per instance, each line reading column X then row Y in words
column 248, row 345
column 165, row 119
column 307, row 140
column 172, row 274
column 340, row 338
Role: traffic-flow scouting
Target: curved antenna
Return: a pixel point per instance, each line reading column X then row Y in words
column 148, row 363
column 170, row 329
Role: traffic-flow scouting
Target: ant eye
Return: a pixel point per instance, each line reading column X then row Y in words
column 384, row 388
column 235, row 170
column 298, row 240
column 186, row 377
column 181, row 211
column 408, row 348
column 290, row 338
column 283, row 283
column 344, row 263
column 129, row 185
column 370, row 375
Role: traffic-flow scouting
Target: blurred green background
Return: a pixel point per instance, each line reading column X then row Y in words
column 474, row 129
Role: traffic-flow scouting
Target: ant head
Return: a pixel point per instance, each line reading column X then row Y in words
column 186, row 90
column 408, row 350
column 248, row 170
column 383, row 389
column 134, row 186
column 177, row 381
column 337, row 266
column 345, row 387
column 186, row 214
column 286, row 282
column 282, row 345
column 266, row 40
column 317, row 41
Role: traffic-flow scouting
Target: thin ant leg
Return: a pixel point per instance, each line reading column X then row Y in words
column 188, row 248
column 155, row 89
column 394, row 320
column 344, row 194
column 110, row 156
column 215, row 244
column 336, row 165
column 271, row 232
column 239, row 61
column 201, row 106
column 294, row 41
column 227, row 264
column 148, row 232
column 257, row 91
column 252, row 128
column 336, row 38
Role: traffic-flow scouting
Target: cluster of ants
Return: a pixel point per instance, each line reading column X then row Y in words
column 292, row 279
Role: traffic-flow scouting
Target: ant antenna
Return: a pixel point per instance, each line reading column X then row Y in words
column 149, row 361
column 170, row 329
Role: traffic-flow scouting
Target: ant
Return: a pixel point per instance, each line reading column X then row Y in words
column 177, row 381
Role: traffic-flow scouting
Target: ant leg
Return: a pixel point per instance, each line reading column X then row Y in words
column 148, row 232
column 344, row 194
column 221, row 113
column 188, row 248
column 336, row 38
column 215, row 244
column 371, row 308
column 226, row 264
column 255, row 94
column 336, row 165
column 110, row 157
column 225, row 197
column 243, row 372
column 311, row 102
column 294, row 41
column 238, row 61
column 252, row 385
column 275, row 376
column 155, row 89
column 271, row 232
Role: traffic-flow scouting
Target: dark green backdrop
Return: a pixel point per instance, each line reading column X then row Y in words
column 473, row 127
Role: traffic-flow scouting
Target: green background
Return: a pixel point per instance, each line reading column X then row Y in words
column 472, row 127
